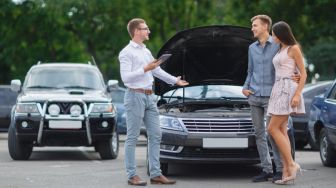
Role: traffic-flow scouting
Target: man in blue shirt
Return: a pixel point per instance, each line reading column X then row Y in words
column 258, row 87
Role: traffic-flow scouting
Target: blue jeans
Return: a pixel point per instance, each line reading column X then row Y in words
column 258, row 111
column 141, row 108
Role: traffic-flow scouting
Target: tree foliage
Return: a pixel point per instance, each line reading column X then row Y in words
column 76, row 30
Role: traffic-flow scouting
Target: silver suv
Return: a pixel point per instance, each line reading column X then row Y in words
column 62, row 104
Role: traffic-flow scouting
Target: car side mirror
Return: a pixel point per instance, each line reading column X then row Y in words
column 112, row 84
column 16, row 85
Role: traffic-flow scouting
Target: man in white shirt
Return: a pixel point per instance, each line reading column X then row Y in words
column 137, row 68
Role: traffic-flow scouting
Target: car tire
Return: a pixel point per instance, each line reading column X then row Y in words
column 18, row 150
column 327, row 153
column 108, row 149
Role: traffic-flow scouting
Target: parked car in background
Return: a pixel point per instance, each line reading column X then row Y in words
column 300, row 122
column 322, row 125
column 118, row 94
column 7, row 100
column 62, row 104
column 208, row 121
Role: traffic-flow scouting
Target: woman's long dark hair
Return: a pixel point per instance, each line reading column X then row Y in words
column 284, row 33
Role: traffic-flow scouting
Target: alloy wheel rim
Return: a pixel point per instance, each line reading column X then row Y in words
column 324, row 147
column 114, row 142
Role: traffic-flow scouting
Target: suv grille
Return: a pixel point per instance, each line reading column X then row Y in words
column 218, row 125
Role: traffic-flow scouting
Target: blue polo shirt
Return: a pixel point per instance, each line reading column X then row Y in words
column 260, row 73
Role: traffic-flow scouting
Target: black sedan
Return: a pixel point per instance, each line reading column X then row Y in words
column 208, row 121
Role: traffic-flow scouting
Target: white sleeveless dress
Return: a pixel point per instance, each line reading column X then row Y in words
column 284, row 87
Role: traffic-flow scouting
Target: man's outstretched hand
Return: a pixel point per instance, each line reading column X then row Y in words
column 181, row 82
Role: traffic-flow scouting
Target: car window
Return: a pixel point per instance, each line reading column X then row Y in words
column 118, row 96
column 333, row 93
column 206, row 92
column 67, row 77
column 7, row 96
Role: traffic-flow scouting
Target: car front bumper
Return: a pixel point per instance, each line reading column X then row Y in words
column 36, row 129
column 181, row 147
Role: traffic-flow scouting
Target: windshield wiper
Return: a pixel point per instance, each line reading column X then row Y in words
column 78, row 87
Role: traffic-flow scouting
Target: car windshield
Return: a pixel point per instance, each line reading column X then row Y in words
column 118, row 96
column 65, row 77
column 207, row 92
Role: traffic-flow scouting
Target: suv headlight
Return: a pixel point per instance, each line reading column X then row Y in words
column 170, row 123
column 26, row 108
column 102, row 108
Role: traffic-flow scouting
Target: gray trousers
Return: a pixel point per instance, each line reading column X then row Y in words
column 258, row 112
column 141, row 108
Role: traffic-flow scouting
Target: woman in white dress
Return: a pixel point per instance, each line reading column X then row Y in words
column 286, row 97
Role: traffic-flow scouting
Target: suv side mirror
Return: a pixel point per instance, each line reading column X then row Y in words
column 113, row 83
column 16, row 85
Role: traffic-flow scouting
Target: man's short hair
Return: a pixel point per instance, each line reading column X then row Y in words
column 133, row 25
column 265, row 19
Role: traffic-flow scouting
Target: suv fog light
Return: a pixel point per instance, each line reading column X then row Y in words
column 24, row 124
column 54, row 110
column 75, row 110
column 104, row 124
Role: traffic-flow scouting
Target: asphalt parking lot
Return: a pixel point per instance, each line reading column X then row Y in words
column 81, row 167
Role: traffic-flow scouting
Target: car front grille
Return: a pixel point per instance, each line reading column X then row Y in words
column 219, row 125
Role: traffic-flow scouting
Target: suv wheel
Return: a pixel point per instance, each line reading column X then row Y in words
column 327, row 153
column 18, row 150
column 109, row 149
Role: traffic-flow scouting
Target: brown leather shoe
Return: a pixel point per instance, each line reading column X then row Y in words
column 136, row 180
column 161, row 180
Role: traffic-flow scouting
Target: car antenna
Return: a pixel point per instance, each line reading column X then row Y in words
column 93, row 60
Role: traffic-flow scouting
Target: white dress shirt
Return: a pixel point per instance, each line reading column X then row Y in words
column 133, row 58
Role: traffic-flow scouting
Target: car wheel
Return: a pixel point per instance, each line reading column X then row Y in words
column 327, row 153
column 18, row 150
column 109, row 149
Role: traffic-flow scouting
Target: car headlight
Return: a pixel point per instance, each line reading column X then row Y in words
column 75, row 110
column 26, row 108
column 102, row 108
column 170, row 123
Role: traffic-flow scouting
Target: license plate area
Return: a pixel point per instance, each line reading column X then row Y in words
column 229, row 143
column 63, row 124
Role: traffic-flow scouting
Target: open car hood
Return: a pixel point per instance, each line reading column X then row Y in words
column 207, row 55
